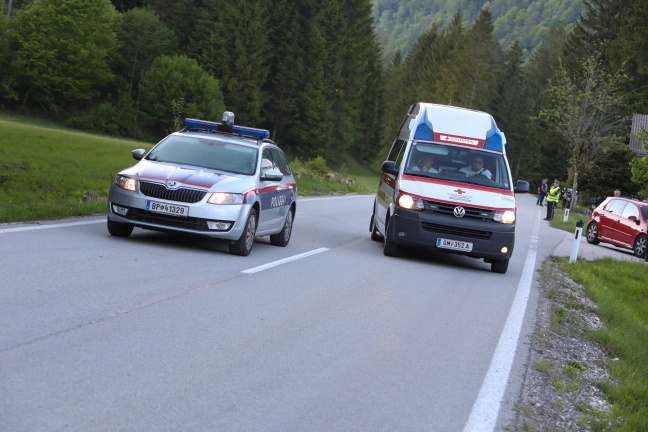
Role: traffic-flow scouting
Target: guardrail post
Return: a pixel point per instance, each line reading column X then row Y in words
column 576, row 244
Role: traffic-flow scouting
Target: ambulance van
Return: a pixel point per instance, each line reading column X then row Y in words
column 446, row 186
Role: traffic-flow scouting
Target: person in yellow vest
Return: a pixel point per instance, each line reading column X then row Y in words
column 552, row 199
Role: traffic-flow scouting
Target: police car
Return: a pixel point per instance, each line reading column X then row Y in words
column 210, row 179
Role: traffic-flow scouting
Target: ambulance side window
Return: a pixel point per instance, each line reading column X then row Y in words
column 397, row 152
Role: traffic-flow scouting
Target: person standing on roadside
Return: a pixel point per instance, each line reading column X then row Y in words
column 542, row 192
column 552, row 199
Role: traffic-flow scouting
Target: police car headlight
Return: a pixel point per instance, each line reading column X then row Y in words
column 126, row 183
column 507, row 217
column 410, row 203
column 225, row 198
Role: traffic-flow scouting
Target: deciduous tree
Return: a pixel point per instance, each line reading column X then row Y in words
column 587, row 110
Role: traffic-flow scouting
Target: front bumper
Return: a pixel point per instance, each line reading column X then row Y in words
column 413, row 228
column 195, row 223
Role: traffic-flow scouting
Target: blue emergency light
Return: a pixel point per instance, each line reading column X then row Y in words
column 227, row 126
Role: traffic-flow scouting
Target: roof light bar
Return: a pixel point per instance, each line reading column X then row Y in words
column 218, row 127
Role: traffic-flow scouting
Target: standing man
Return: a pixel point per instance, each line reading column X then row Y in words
column 542, row 191
column 552, row 199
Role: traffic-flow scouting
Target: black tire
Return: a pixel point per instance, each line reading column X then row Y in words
column 639, row 246
column 375, row 235
column 499, row 266
column 592, row 234
column 390, row 248
column 283, row 237
column 243, row 246
column 119, row 229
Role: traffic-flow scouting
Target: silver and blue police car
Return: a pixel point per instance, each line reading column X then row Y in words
column 211, row 179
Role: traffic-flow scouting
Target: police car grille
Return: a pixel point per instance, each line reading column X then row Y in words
column 156, row 190
column 471, row 212
column 191, row 223
column 458, row 231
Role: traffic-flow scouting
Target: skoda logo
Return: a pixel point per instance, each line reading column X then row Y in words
column 172, row 184
column 459, row 212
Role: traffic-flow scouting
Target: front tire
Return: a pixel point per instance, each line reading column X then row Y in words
column 639, row 247
column 592, row 234
column 499, row 266
column 119, row 229
column 390, row 248
column 375, row 235
column 283, row 237
column 243, row 246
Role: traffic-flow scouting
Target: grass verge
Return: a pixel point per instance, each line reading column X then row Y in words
column 49, row 172
column 619, row 289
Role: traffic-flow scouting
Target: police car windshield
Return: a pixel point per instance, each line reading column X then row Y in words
column 458, row 164
column 206, row 153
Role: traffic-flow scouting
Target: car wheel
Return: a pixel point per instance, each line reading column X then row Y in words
column 499, row 266
column 389, row 247
column 639, row 247
column 119, row 229
column 243, row 246
column 283, row 237
column 592, row 234
column 375, row 235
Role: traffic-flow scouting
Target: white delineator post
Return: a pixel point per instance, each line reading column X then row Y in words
column 566, row 215
column 576, row 244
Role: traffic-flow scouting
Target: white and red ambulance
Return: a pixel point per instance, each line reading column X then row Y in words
column 446, row 185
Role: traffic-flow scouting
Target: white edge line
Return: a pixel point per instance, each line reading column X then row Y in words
column 40, row 227
column 283, row 261
column 484, row 413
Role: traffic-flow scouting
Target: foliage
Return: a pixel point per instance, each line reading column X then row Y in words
column 586, row 109
column 401, row 23
column 63, row 49
column 639, row 167
column 177, row 87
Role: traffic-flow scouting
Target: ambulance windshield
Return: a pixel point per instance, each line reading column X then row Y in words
column 458, row 164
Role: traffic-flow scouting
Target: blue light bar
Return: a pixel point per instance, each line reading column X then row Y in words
column 217, row 127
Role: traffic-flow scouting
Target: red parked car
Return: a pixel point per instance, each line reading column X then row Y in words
column 622, row 222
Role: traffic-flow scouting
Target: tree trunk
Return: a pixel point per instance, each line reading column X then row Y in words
column 575, row 189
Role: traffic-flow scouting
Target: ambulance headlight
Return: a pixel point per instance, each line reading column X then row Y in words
column 225, row 198
column 507, row 217
column 410, row 203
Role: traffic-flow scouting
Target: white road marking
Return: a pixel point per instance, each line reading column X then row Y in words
column 50, row 226
column 483, row 416
column 283, row 261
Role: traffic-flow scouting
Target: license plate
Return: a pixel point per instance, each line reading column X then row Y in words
column 169, row 209
column 454, row 245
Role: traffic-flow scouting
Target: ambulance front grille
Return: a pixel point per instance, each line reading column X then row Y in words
column 471, row 212
column 456, row 231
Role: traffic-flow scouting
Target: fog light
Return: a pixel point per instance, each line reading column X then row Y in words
column 121, row 211
column 504, row 250
column 219, row 226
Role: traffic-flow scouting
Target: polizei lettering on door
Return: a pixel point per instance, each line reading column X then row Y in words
column 278, row 201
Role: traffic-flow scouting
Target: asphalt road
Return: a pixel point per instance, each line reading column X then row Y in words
column 163, row 333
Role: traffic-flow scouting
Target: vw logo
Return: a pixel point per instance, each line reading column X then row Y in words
column 459, row 212
column 172, row 184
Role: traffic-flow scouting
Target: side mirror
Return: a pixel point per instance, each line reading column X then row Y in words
column 522, row 186
column 272, row 175
column 634, row 219
column 389, row 167
column 138, row 154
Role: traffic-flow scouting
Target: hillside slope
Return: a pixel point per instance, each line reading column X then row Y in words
column 400, row 22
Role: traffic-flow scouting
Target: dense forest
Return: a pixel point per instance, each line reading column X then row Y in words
column 314, row 73
column 399, row 23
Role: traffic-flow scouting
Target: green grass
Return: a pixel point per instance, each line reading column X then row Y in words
column 575, row 215
column 620, row 290
column 49, row 172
